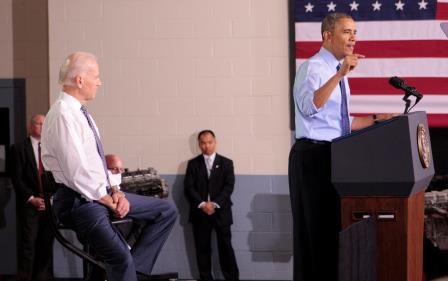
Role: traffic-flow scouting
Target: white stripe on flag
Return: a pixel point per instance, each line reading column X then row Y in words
column 395, row 104
column 406, row 67
column 375, row 30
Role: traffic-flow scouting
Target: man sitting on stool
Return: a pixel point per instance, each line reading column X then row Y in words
column 85, row 200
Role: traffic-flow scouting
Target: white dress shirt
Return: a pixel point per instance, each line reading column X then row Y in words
column 69, row 149
column 318, row 123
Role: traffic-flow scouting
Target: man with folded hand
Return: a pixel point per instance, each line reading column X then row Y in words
column 85, row 200
column 209, row 183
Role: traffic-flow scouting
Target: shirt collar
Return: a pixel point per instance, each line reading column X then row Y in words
column 213, row 156
column 34, row 141
column 70, row 100
column 329, row 58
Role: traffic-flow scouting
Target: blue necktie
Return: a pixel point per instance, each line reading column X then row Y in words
column 99, row 145
column 345, row 121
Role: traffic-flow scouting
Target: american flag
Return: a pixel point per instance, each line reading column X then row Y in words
column 399, row 38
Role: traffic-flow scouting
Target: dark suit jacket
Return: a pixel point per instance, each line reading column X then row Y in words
column 220, row 186
column 24, row 170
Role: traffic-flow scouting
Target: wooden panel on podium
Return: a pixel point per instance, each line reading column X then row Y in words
column 399, row 232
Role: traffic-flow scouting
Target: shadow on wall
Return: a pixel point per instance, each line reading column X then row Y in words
column 177, row 193
column 271, row 236
column 194, row 149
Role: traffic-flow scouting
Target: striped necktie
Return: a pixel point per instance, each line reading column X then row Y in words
column 99, row 145
column 345, row 121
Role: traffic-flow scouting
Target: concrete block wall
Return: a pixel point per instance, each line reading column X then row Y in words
column 171, row 68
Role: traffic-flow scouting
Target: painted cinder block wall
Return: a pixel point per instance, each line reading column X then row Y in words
column 171, row 68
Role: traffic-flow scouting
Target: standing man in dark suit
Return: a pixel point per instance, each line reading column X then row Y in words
column 209, row 182
column 34, row 238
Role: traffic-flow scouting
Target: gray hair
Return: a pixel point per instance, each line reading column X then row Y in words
column 329, row 22
column 76, row 64
column 34, row 117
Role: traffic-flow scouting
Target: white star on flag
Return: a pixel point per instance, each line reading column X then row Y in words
column 377, row 6
column 354, row 6
column 331, row 6
column 399, row 5
column 309, row 8
column 422, row 5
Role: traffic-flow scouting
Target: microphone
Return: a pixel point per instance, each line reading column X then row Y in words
column 400, row 84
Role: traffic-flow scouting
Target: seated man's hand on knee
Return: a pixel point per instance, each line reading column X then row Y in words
column 108, row 202
column 116, row 194
column 122, row 207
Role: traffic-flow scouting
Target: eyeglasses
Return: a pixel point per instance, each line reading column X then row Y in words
column 116, row 170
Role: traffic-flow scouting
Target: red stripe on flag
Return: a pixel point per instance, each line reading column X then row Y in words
column 438, row 120
column 434, row 120
column 403, row 48
column 442, row 11
column 381, row 86
column 385, row 49
column 306, row 50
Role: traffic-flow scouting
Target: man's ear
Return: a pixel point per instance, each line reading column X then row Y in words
column 78, row 81
column 326, row 35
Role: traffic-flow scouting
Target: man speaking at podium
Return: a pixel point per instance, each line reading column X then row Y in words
column 321, row 95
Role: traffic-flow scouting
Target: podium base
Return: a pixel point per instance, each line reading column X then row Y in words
column 399, row 232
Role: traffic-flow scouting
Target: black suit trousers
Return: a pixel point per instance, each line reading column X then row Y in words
column 202, row 232
column 316, row 212
column 34, row 245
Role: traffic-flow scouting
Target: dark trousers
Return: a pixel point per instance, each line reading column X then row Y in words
column 91, row 222
column 34, row 244
column 202, row 232
column 315, row 208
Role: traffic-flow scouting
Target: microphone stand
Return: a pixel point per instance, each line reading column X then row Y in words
column 410, row 91
column 408, row 103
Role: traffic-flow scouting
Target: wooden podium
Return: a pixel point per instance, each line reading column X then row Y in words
column 382, row 171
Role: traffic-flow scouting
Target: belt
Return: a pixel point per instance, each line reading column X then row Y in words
column 306, row 140
column 67, row 191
